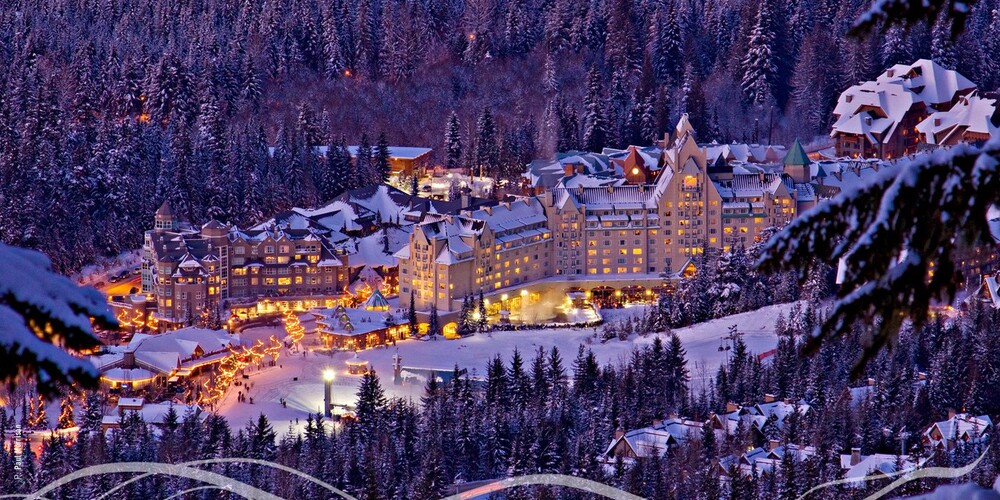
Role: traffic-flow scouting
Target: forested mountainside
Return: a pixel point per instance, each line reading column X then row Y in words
column 107, row 107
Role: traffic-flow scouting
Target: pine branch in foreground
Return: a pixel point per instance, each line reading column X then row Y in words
column 900, row 235
column 42, row 314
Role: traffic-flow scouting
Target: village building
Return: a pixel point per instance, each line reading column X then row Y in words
column 974, row 119
column 403, row 160
column 601, row 228
column 958, row 428
column 764, row 419
column 359, row 328
column 879, row 118
column 168, row 357
column 572, row 168
column 763, row 459
column 155, row 414
column 856, row 467
column 298, row 259
column 655, row 440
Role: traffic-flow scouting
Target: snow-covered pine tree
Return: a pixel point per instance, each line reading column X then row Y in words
column 363, row 164
column 482, row 324
column 371, row 401
column 550, row 79
column 45, row 314
column 594, row 125
column 381, row 165
column 487, row 146
column 453, row 142
column 434, row 324
column 759, row 68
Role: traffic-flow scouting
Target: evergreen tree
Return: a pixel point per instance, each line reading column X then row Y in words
column 364, row 164
column 434, row 327
column 759, row 70
column 371, row 402
column 595, row 129
column 66, row 414
column 381, row 166
column 487, row 152
column 453, row 142
column 482, row 324
column 411, row 317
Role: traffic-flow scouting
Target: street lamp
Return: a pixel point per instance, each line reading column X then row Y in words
column 328, row 376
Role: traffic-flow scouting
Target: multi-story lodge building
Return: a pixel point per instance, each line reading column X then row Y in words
column 882, row 118
column 630, row 231
column 300, row 259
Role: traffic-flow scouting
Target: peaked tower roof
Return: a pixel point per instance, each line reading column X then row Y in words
column 165, row 210
column 796, row 155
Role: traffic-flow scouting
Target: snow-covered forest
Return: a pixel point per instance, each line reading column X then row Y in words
column 551, row 411
column 108, row 107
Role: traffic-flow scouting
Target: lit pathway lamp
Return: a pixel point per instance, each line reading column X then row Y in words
column 327, row 390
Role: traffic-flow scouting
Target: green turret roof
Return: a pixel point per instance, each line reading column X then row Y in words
column 796, row 155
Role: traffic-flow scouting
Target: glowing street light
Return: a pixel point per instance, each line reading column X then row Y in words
column 328, row 376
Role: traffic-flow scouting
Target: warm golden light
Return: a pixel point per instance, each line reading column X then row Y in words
column 328, row 375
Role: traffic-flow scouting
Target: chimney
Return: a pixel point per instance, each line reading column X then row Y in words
column 772, row 444
column 673, row 415
column 732, row 407
column 951, row 413
column 619, row 433
column 855, row 456
column 871, row 381
column 657, row 422
column 769, row 398
column 788, row 401
column 568, row 169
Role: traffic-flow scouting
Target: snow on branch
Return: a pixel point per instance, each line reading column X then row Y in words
column 900, row 237
column 44, row 316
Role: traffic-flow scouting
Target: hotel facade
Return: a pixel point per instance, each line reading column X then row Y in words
column 629, row 233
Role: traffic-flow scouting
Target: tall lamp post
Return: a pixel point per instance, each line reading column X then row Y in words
column 327, row 389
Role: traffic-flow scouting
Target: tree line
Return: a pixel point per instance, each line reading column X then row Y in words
column 544, row 412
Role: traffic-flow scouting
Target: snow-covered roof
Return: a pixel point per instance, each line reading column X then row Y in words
column 750, row 153
column 350, row 321
column 962, row 426
column 877, row 463
column 768, row 458
column 376, row 300
column 395, row 152
column 760, row 415
column 164, row 353
column 972, row 114
column 549, row 173
column 370, row 249
column 874, row 109
column 932, row 83
column 657, row 439
column 127, row 375
column 156, row 413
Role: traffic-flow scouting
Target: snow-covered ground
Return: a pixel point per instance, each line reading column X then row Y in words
column 298, row 378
